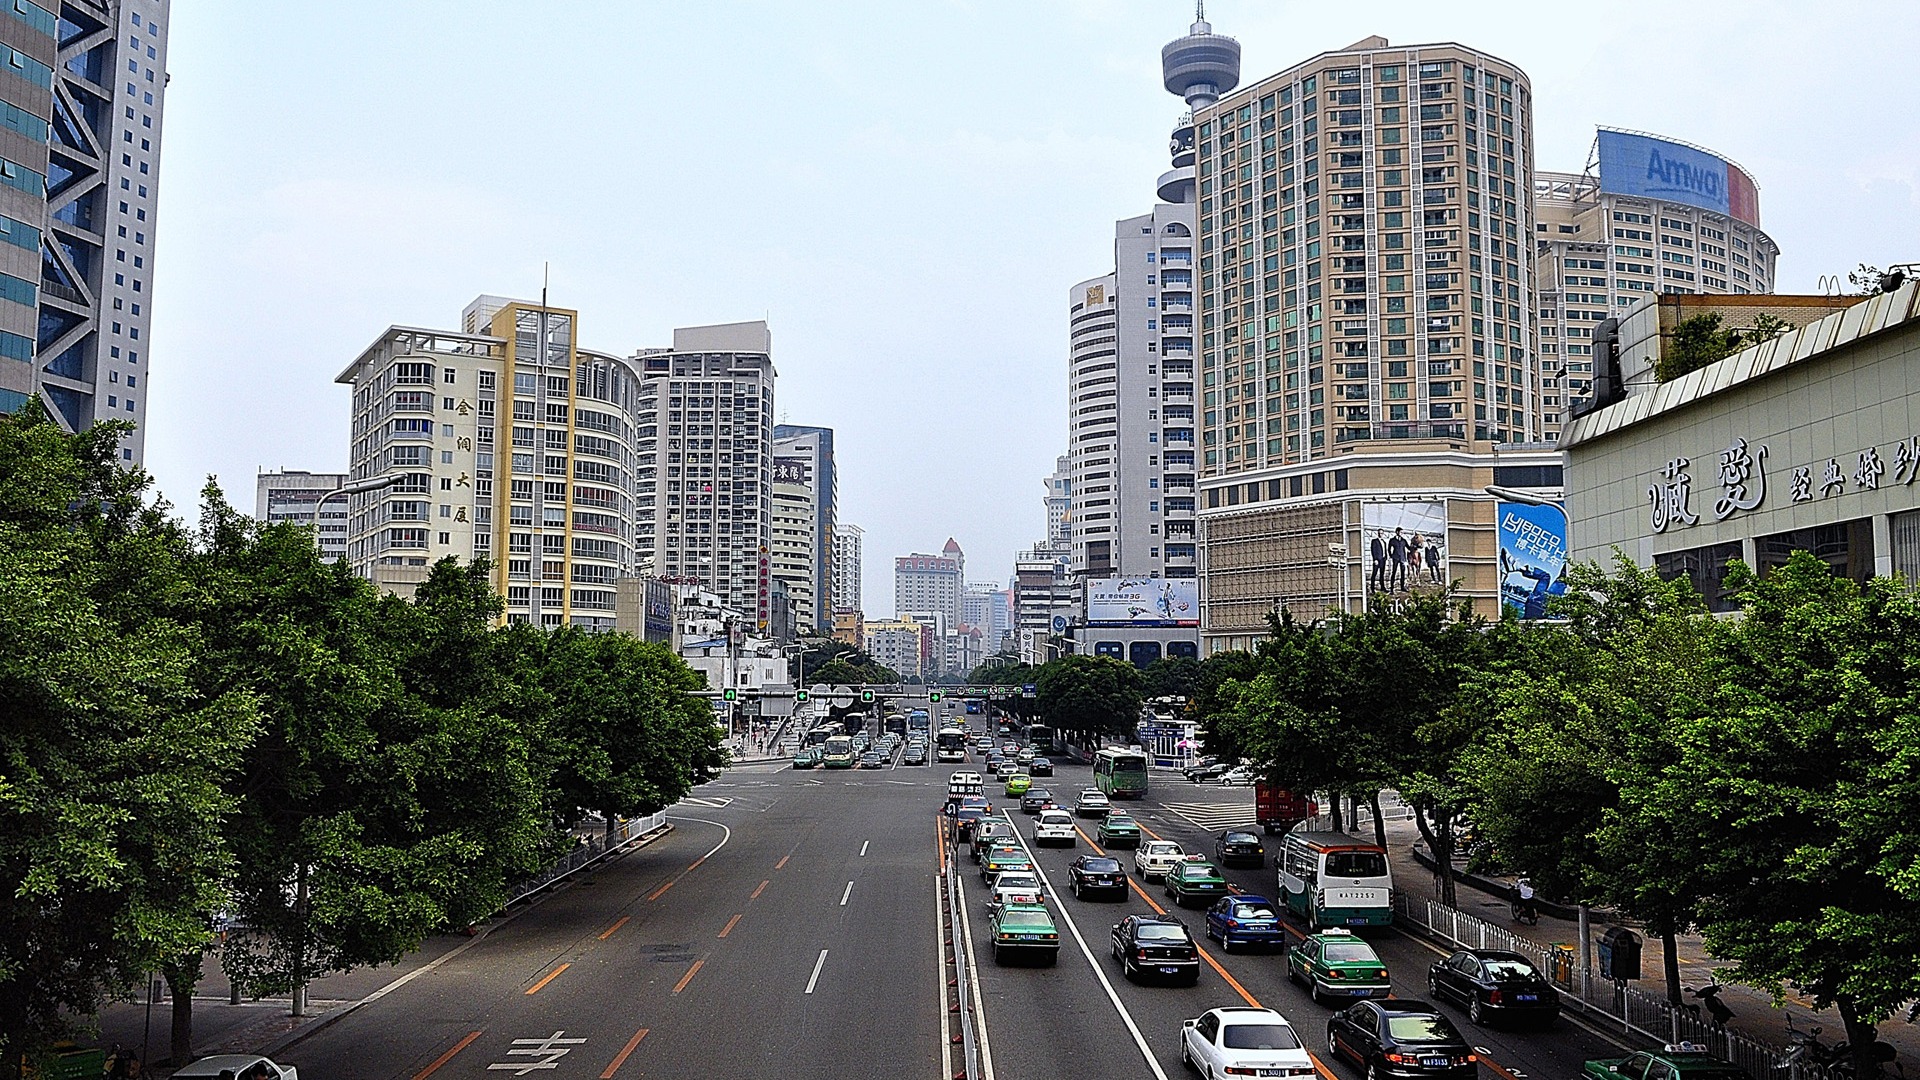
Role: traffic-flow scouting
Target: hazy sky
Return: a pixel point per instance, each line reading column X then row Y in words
column 905, row 190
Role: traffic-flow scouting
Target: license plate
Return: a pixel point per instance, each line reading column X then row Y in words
column 1527, row 997
column 1433, row 1061
column 1356, row 922
column 1169, row 970
column 1270, row 1072
column 1359, row 991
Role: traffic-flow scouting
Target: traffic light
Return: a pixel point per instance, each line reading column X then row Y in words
column 933, row 695
column 729, row 694
column 866, row 697
column 801, row 697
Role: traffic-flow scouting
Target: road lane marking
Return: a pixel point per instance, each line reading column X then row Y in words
column 695, row 864
column 973, row 973
column 726, row 834
column 620, row 1058
column 655, row 894
column 551, row 975
column 814, row 979
column 729, row 927
column 844, row 895
column 782, row 863
column 611, row 930
column 1099, row 972
column 446, row 1057
column 688, row 977
column 863, row 848
column 553, row 1047
column 758, row 889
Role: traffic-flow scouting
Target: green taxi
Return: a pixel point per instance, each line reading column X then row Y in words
column 999, row 861
column 1675, row 1061
column 1335, row 964
column 1024, row 928
column 1195, row 879
column 1018, row 784
column 806, row 758
column 1118, row 829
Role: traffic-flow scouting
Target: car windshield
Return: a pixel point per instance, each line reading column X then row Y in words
column 1356, row 864
column 1421, row 1028
column 1241, row 838
column 1026, row 918
column 1349, row 952
column 1019, row 880
column 1253, row 911
column 1259, row 1037
column 1197, row 870
column 1162, row 932
column 1502, row 970
column 1163, row 849
column 1101, row 866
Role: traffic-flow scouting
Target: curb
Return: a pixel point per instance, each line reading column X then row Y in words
column 1491, row 887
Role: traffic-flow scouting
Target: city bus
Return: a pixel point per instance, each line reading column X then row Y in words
column 1332, row 879
column 840, row 753
column 918, row 720
column 950, row 744
column 1120, row 774
column 819, row 735
column 1040, row 738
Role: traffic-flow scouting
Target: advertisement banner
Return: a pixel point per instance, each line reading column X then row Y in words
column 1675, row 172
column 1533, row 557
column 1143, row 602
column 1406, row 548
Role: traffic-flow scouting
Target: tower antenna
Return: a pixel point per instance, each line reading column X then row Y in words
column 546, row 269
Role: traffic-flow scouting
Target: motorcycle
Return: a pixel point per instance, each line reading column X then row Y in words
column 1709, row 996
column 1805, row 1047
column 1525, row 908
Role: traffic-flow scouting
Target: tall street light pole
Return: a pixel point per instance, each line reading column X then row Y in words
column 356, row 487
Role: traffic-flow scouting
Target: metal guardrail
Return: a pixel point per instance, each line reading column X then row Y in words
column 969, row 1040
column 584, row 855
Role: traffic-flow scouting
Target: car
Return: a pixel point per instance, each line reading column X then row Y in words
column 1023, row 880
column 807, row 758
column 1009, row 749
column 1118, row 829
column 1024, row 757
column 964, row 819
column 1245, row 919
column 1400, row 1039
column 1005, row 767
column 1194, row 878
column 230, row 1066
column 1675, row 1061
column 914, row 755
column 1243, row 1041
column 1094, row 874
column 1151, row 859
column 987, row 830
column 1008, row 891
column 1494, row 983
column 1240, row 777
column 1040, row 766
column 1055, row 827
column 1156, row 945
column 1337, row 964
column 1200, row 774
column 1017, row 785
column 872, row 760
column 1238, row 847
column 1024, row 928
column 1036, row 800
column 997, row 862
column 1092, row 803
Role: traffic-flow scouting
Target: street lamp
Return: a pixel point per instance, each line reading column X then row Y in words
column 357, row 487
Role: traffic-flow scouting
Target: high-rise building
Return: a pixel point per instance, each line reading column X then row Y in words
column 1650, row 215
column 793, row 541
column 930, row 582
column 989, row 608
column 705, row 462
column 847, row 541
column 79, row 163
column 292, row 495
column 1059, row 503
column 810, row 449
column 1042, row 592
column 899, row 644
column 547, row 499
column 1366, row 256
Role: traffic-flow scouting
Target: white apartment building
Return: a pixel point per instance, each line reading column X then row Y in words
column 292, row 495
column 808, row 453
column 847, row 542
column 1060, row 504
column 896, row 644
column 930, row 582
column 793, row 540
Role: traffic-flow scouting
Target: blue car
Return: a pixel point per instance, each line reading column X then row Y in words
column 1243, row 919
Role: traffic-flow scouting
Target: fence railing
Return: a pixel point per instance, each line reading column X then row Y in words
column 592, row 850
column 1635, row 1011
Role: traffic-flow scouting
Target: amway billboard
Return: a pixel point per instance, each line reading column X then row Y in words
column 1143, row 602
column 1675, row 172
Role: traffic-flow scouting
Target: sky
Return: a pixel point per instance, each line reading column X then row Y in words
column 906, row 191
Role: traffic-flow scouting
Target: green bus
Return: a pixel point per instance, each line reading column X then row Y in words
column 840, row 753
column 1040, row 738
column 1120, row 774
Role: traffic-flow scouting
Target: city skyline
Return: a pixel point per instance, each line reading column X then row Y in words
column 283, row 258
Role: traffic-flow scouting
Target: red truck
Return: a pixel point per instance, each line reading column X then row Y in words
column 1278, row 810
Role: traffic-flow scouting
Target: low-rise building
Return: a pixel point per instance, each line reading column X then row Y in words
column 292, row 495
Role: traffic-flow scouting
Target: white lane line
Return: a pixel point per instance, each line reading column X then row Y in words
column 973, row 973
column 817, row 965
column 863, row 848
column 940, row 973
column 1099, row 972
column 844, row 895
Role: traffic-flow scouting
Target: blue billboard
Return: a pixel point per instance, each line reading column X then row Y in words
column 1533, row 557
column 1657, row 168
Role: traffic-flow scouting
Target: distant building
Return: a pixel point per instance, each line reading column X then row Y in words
column 930, row 582
column 848, row 539
column 1060, row 504
column 808, row 456
column 793, row 547
column 1042, row 596
column 292, row 495
column 850, row 627
column 989, row 609
column 896, row 644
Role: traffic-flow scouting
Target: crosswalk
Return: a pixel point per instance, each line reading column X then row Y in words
column 1213, row 817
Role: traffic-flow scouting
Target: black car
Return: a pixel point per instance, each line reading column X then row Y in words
column 1200, row 766
column 914, row 755
column 1036, row 800
column 964, row 820
column 1040, row 767
column 1404, row 1039
column 1156, row 945
column 1237, row 847
column 872, row 760
column 1091, row 874
column 1493, row 984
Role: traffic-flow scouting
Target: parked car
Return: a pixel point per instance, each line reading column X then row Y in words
column 231, row 1066
column 1401, row 1039
column 1240, row 777
column 1675, row 1061
column 1200, row 774
column 1492, row 983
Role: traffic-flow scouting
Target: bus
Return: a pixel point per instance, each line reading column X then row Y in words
column 840, row 753
column 1332, row 879
column 950, row 744
column 918, row 720
column 1040, row 738
column 1120, row 774
column 819, row 735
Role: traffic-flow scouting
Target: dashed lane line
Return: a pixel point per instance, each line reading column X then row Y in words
column 551, row 975
column 615, row 928
column 625, row 1051
column 446, row 1057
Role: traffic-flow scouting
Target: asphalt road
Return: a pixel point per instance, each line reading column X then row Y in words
column 789, row 927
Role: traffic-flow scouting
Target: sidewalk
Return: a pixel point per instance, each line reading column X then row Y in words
column 1753, row 1013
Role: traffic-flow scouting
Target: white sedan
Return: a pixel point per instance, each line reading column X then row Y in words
column 1092, row 803
column 1241, row 1041
column 1155, row 857
column 1054, row 826
column 228, row 1066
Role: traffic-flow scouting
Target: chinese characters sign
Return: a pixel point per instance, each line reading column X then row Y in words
column 1533, row 554
column 1742, row 479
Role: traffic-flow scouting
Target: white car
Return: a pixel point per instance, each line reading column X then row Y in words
column 1243, row 1041
column 1155, row 857
column 1240, row 777
column 1054, row 826
column 1092, row 803
column 232, row 1065
column 1015, row 889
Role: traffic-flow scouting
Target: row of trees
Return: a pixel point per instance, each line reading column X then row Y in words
column 1754, row 779
column 207, row 726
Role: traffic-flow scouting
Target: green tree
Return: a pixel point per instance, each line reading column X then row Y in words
column 1173, row 676
column 1090, row 696
column 1701, row 340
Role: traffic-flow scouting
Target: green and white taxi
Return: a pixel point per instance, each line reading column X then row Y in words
column 1335, row 964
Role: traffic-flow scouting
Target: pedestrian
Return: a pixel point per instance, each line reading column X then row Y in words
column 1397, row 554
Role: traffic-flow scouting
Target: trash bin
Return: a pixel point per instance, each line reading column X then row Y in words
column 1619, row 954
column 1560, row 964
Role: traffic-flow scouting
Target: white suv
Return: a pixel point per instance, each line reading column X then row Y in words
column 1155, row 857
column 1054, row 826
column 1242, row 1041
